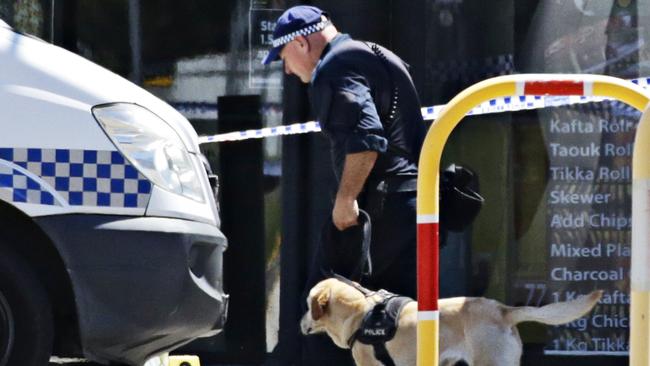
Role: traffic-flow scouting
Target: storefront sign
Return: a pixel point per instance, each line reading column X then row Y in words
column 262, row 17
column 588, row 223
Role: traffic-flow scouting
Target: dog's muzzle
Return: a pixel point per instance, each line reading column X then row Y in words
column 306, row 325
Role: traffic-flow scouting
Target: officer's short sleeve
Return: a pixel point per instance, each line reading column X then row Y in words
column 348, row 114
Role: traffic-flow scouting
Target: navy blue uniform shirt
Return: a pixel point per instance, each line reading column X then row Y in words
column 351, row 92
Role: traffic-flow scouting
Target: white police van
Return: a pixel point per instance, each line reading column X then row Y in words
column 110, row 246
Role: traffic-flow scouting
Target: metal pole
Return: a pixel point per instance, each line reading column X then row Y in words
column 135, row 41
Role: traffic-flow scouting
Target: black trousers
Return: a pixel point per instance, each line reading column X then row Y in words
column 393, row 251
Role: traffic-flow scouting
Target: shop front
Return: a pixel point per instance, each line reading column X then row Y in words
column 556, row 180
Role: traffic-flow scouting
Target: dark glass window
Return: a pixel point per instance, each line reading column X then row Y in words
column 557, row 182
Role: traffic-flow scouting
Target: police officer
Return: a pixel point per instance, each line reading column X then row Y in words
column 369, row 110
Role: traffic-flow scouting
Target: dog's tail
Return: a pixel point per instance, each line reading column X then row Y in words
column 556, row 313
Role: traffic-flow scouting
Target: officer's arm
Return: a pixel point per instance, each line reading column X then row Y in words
column 350, row 114
column 356, row 169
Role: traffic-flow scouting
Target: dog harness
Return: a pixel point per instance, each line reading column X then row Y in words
column 379, row 325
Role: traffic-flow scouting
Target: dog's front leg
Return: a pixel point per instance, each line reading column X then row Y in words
column 364, row 355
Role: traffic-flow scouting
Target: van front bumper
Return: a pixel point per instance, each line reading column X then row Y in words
column 142, row 285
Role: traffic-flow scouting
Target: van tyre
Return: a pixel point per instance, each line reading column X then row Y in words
column 26, row 325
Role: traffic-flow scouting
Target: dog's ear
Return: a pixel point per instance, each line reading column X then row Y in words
column 319, row 304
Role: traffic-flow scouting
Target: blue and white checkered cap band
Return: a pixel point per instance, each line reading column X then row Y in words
column 73, row 177
column 300, row 32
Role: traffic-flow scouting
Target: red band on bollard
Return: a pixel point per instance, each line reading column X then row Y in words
column 554, row 87
column 428, row 266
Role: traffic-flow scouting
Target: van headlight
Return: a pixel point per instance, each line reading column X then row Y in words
column 151, row 145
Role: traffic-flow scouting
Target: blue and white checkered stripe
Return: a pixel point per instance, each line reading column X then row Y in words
column 71, row 177
column 16, row 186
column 300, row 32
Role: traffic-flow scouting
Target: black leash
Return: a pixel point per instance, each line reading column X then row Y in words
column 363, row 290
column 334, row 245
column 364, row 267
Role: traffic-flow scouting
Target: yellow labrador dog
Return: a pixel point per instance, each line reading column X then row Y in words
column 474, row 331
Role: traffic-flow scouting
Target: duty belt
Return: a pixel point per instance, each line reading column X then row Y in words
column 397, row 183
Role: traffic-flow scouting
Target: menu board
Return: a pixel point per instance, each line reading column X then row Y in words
column 588, row 223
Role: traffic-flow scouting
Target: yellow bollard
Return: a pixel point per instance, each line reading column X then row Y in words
column 184, row 361
column 427, row 198
column 640, row 277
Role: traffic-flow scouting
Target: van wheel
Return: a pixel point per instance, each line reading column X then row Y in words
column 26, row 326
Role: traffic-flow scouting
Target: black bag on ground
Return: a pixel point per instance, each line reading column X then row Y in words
column 460, row 201
column 347, row 252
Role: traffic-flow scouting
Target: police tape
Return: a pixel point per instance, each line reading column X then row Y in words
column 293, row 129
column 498, row 105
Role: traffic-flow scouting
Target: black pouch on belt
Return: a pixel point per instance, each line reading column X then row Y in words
column 460, row 201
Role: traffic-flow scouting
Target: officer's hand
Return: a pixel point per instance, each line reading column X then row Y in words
column 345, row 213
